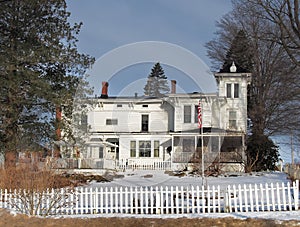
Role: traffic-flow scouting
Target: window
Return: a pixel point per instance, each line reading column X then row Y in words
column 236, row 91
column 232, row 119
column 84, row 122
column 119, row 105
column 145, row 105
column 196, row 114
column 228, row 90
column 95, row 152
column 156, row 148
column 145, row 121
column 133, row 149
column 111, row 121
column 100, row 152
column 144, row 148
column 187, row 114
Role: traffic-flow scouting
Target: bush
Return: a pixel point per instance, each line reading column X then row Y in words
column 33, row 191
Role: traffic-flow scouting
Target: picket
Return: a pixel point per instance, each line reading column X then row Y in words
column 159, row 200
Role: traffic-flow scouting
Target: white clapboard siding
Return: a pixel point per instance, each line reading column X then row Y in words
column 157, row 200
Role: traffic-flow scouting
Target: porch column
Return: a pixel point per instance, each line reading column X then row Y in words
column 172, row 151
column 244, row 148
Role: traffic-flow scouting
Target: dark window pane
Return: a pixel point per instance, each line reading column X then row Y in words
column 228, row 90
column 236, row 90
column 187, row 114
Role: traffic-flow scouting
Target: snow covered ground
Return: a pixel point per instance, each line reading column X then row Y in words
column 150, row 178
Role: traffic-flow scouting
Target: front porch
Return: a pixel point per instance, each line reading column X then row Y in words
column 211, row 151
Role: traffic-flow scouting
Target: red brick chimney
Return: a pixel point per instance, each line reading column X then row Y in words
column 104, row 90
column 58, row 122
column 58, row 116
column 173, row 86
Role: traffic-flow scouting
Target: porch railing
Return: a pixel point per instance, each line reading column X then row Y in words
column 153, row 164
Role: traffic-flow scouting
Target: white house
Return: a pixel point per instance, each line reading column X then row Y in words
column 163, row 133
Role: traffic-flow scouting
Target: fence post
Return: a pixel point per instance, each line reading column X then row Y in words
column 157, row 200
column 226, row 198
column 278, row 196
column 289, row 196
column 296, row 193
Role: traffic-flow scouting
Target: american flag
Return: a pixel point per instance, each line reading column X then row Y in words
column 199, row 115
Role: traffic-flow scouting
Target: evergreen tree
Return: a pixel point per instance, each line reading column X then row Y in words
column 240, row 53
column 157, row 83
column 40, row 70
column 262, row 153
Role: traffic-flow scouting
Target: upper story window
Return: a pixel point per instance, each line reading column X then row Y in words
column 228, row 90
column 232, row 90
column 232, row 119
column 236, row 91
column 145, row 123
column 187, row 114
column 119, row 105
column 145, row 105
column 196, row 114
column 111, row 121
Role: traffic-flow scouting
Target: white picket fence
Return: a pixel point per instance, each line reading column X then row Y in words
column 155, row 200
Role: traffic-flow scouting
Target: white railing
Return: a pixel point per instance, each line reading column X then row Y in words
column 156, row 200
column 142, row 164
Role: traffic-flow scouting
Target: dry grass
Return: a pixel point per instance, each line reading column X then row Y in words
column 31, row 178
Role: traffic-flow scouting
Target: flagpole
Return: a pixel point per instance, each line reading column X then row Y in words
column 202, row 153
column 200, row 124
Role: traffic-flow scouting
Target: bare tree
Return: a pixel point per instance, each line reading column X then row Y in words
column 284, row 14
column 274, row 92
column 273, row 104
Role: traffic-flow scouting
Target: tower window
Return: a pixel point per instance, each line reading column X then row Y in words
column 232, row 119
column 232, row 90
column 228, row 90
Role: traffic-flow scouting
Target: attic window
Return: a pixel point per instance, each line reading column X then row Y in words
column 111, row 121
column 145, row 105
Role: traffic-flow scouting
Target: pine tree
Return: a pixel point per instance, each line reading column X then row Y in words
column 157, row 83
column 240, row 53
column 262, row 153
column 40, row 70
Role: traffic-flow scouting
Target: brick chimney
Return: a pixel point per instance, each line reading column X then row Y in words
column 58, row 122
column 173, row 86
column 104, row 90
column 58, row 119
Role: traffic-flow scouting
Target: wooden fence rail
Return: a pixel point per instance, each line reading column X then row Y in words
column 154, row 200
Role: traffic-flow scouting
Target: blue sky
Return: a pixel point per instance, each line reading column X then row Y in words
column 109, row 24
